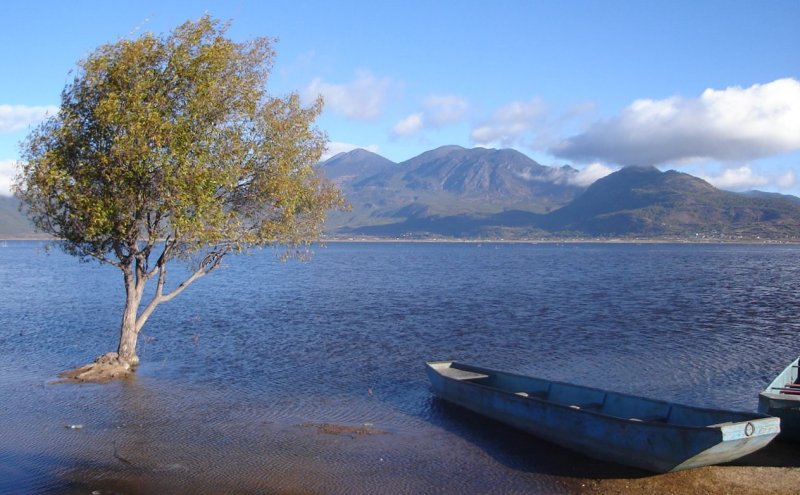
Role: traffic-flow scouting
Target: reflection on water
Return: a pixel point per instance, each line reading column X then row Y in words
column 236, row 368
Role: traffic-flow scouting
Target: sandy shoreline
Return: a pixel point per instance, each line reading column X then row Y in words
column 772, row 470
column 716, row 480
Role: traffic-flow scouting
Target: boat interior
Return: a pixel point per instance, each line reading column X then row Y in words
column 578, row 397
column 786, row 383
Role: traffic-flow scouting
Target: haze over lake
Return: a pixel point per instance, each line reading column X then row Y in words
column 241, row 372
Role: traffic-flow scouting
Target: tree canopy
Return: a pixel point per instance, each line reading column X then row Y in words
column 169, row 147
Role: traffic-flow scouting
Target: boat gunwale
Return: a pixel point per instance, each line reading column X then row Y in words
column 755, row 416
column 777, row 382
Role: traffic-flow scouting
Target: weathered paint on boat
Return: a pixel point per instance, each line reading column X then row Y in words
column 781, row 398
column 645, row 433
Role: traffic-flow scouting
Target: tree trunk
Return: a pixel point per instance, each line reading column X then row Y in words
column 129, row 333
column 136, row 277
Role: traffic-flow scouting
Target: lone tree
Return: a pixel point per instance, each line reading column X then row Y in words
column 168, row 148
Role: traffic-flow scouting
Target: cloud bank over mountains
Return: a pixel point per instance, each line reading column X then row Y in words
column 733, row 127
column 730, row 125
column 728, row 129
column 511, row 123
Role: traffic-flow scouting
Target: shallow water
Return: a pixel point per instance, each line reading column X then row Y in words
column 240, row 370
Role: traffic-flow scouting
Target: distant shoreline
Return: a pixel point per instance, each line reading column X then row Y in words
column 561, row 241
column 576, row 240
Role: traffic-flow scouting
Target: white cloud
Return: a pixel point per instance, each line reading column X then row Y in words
column 334, row 148
column 18, row 117
column 582, row 178
column 8, row 168
column 510, row 123
column 787, row 180
column 408, row 126
column 732, row 124
column 590, row 173
column 436, row 112
column 737, row 178
column 361, row 99
column 443, row 110
column 568, row 175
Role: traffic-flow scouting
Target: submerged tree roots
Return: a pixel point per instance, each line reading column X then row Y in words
column 104, row 369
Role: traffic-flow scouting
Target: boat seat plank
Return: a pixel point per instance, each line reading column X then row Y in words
column 651, row 419
column 595, row 406
column 458, row 374
column 789, row 391
column 539, row 394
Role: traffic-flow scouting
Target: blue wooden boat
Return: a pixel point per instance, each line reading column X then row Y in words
column 781, row 398
column 645, row 433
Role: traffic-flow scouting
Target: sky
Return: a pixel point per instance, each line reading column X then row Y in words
column 711, row 88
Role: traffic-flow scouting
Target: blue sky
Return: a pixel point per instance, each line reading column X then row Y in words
column 711, row 88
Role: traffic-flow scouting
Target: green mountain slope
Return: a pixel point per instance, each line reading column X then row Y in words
column 632, row 202
column 447, row 181
column 645, row 201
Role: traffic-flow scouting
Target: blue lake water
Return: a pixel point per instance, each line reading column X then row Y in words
column 239, row 372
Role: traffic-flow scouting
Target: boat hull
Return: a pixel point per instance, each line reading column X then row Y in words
column 779, row 400
column 649, row 445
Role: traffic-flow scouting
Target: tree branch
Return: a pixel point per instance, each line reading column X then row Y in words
column 210, row 263
column 169, row 245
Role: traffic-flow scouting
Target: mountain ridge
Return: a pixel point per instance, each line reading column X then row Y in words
column 455, row 192
column 633, row 201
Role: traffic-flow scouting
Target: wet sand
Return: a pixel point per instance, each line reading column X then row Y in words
column 773, row 470
column 711, row 480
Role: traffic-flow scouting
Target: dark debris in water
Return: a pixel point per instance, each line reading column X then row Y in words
column 336, row 429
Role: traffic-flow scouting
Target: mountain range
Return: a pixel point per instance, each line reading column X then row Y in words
column 486, row 193
column 478, row 193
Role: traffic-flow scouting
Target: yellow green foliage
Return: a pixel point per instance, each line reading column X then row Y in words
column 174, row 138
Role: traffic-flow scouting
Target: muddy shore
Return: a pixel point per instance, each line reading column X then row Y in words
column 773, row 470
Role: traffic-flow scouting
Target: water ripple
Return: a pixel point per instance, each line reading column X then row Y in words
column 235, row 367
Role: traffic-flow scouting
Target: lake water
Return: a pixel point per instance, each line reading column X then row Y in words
column 240, row 373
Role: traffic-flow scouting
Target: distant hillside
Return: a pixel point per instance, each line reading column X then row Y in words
column 771, row 195
column 13, row 224
column 344, row 168
column 495, row 176
column 447, row 181
column 645, row 201
column 632, row 202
